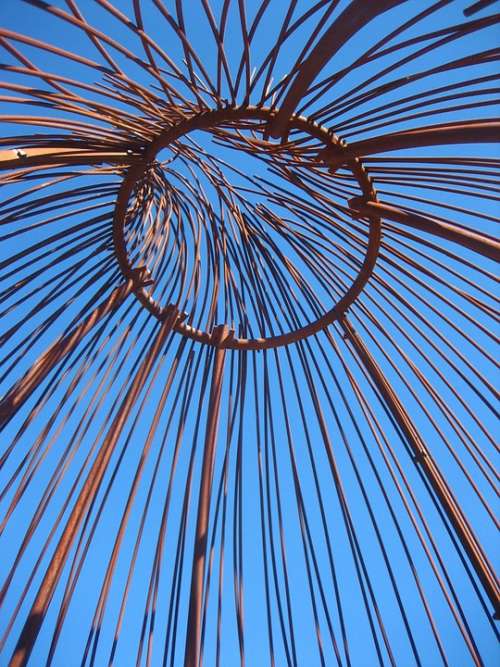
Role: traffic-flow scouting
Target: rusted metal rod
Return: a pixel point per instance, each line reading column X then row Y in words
column 357, row 14
column 449, row 133
column 433, row 474
column 477, row 7
column 23, row 389
column 39, row 157
column 481, row 243
column 193, row 636
column 89, row 489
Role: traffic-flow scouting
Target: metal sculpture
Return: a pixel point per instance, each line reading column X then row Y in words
column 248, row 292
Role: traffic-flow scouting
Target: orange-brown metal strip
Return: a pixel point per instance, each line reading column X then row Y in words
column 211, row 119
column 352, row 19
column 474, row 132
column 485, row 245
column 33, row 157
column 432, row 473
column 23, row 389
column 193, row 636
column 477, row 7
column 90, row 487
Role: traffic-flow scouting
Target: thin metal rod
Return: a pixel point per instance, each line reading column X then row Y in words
column 481, row 243
column 90, row 488
column 44, row 157
column 432, row 473
column 483, row 131
column 477, row 7
column 352, row 19
column 23, row 389
column 193, row 636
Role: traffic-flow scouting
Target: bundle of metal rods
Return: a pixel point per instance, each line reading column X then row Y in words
column 248, row 304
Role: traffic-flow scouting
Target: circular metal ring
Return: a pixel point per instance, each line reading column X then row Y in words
column 206, row 120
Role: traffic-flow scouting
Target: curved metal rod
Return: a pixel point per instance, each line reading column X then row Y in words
column 480, row 243
column 423, row 457
column 475, row 132
column 87, row 493
column 207, row 120
column 352, row 19
column 22, row 390
column 17, row 158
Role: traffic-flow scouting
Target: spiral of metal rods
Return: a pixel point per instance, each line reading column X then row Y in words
column 248, row 304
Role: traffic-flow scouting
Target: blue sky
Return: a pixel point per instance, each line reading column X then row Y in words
column 422, row 325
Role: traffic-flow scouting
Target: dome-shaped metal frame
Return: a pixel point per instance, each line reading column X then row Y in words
column 248, row 387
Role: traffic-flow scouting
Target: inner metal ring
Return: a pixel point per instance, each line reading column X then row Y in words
column 206, row 120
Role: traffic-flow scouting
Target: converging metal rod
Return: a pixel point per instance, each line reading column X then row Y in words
column 424, row 458
column 88, row 492
column 193, row 637
column 23, row 389
column 481, row 243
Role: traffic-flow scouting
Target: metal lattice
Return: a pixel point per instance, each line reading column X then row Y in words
column 248, row 304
